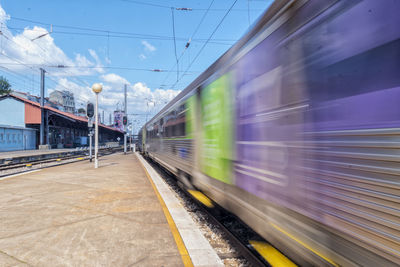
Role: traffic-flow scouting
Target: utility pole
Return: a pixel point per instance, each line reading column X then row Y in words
column 126, row 114
column 42, row 72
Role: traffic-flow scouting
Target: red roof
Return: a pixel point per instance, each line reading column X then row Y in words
column 66, row 114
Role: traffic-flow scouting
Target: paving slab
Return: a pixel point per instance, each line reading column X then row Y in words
column 75, row 215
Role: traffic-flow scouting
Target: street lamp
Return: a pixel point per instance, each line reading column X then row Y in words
column 96, row 88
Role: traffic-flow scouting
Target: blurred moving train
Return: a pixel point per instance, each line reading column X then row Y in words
column 296, row 130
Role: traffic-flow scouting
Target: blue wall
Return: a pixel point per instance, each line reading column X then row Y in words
column 15, row 138
column 12, row 112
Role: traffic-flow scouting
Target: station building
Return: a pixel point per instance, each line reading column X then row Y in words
column 20, row 120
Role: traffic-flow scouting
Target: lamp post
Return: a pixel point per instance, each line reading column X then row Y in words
column 96, row 88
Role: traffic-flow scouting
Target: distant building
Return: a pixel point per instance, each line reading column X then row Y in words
column 118, row 116
column 64, row 98
column 20, row 120
column 47, row 101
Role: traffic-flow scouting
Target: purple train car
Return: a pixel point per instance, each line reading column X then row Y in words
column 296, row 130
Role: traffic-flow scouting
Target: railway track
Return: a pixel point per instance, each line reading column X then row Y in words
column 222, row 220
column 233, row 230
column 13, row 168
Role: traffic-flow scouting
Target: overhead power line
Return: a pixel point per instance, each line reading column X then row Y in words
column 106, row 33
column 173, row 33
column 188, row 43
column 86, row 67
column 128, row 36
column 180, row 8
column 204, row 45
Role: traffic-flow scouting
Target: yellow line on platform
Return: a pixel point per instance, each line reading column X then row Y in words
column 178, row 239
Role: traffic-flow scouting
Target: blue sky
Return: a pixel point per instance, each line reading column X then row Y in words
column 98, row 38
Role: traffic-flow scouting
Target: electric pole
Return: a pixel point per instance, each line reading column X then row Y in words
column 42, row 72
column 125, row 122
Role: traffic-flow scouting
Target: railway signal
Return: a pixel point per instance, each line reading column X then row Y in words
column 90, row 110
column 89, row 114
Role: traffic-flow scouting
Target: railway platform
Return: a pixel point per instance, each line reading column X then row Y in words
column 22, row 156
column 121, row 214
column 32, row 153
column 12, row 157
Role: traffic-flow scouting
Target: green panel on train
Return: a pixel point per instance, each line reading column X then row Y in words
column 217, row 114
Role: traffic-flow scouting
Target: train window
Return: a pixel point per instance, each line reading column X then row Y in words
column 174, row 130
column 169, row 131
column 181, row 129
column 180, row 120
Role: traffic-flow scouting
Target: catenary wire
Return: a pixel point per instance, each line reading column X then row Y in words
column 188, row 43
column 204, row 45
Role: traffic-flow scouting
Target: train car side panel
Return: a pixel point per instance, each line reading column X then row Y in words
column 217, row 131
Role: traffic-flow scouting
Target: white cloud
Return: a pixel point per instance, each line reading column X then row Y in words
column 94, row 56
column 22, row 50
column 114, row 79
column 148, row 47
column 142, row 57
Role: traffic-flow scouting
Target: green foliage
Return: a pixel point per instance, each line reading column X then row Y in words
column 81, row 110
column 5, row 86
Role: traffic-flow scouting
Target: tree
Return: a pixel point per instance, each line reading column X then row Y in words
column 5, row 86
column 81, row 110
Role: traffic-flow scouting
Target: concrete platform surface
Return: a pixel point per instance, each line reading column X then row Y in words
column 75, row 215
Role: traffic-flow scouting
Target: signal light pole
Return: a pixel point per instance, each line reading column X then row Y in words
column 96, row 88
column 89, row 115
